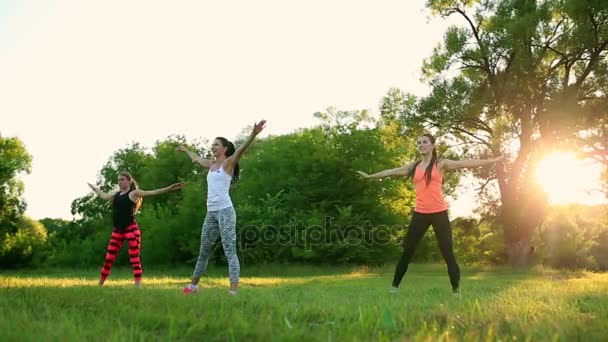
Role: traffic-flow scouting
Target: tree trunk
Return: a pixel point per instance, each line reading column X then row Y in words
column 519, row 254
column 518, row 233
column 517, row 236
column 524, row 209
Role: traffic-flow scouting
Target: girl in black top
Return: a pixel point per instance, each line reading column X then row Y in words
column 125, row 203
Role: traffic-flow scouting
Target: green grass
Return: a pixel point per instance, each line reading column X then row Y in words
column 306, row 303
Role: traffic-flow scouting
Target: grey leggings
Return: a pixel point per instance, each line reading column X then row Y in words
column 223, row 223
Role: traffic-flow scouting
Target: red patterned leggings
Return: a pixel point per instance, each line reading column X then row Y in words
column 133, row 237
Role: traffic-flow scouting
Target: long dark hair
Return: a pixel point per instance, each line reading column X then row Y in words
column 230, row 149
column 429, row 168
column 133, row 186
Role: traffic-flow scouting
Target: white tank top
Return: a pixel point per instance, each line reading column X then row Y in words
column 218, row 184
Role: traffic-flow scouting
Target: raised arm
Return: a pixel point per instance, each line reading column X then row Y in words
column 106, row 196
column 257, row 128
column 195, row 157
column 447, row 164
column 396, row 172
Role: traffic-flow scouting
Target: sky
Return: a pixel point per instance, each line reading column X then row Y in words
column 82, row 78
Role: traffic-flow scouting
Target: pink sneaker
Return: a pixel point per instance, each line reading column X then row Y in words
column 190, row 289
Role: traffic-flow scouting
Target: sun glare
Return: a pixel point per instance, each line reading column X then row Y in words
column 568, row 180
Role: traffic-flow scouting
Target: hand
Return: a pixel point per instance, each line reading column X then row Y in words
column 363, row 174
column 258, row 127
column 175, row 186
column 93, row 187
column 181, row 148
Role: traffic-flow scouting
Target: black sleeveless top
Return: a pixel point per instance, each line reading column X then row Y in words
column 123, row 211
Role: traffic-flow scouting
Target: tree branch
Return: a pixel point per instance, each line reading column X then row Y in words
column 592, row 62
column 479, row 124
column 594, row 25
column 464, row 144
column 510, row 61
column 470, row 66
column 564, row 56
column 551, row 40
column 472, row 135
column 483, row 186
column 598, row 153
column 486, row 62
column 567, row 70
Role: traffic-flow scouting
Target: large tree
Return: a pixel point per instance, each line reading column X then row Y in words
column 519, row 77
column 14, row 159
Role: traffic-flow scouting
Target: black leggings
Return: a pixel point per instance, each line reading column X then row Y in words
column 443, row 231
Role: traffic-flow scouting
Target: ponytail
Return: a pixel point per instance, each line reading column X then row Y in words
column 230, row 149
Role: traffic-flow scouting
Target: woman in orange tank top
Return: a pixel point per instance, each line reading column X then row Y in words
column 431, row 207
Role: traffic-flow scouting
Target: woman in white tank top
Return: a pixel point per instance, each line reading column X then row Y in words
column 221, row 217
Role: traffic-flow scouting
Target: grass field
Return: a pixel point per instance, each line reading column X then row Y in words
column 306, row 303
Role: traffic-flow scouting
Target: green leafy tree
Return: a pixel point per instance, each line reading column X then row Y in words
column 14, row 159
column 518, row 77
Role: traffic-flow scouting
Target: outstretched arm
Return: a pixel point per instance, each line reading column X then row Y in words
column 257, row 128
column 447, row 164
column 195, row 158
column 144, row 193
column 106, row 196
column 396, row 172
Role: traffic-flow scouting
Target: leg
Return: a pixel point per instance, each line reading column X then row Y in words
column 116, row 241
column 443, row 232
column 418, row 226
column 209, row 235
column 227, row 221
column 134, row 240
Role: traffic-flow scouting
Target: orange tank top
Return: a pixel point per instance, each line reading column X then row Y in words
column 429, row 198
